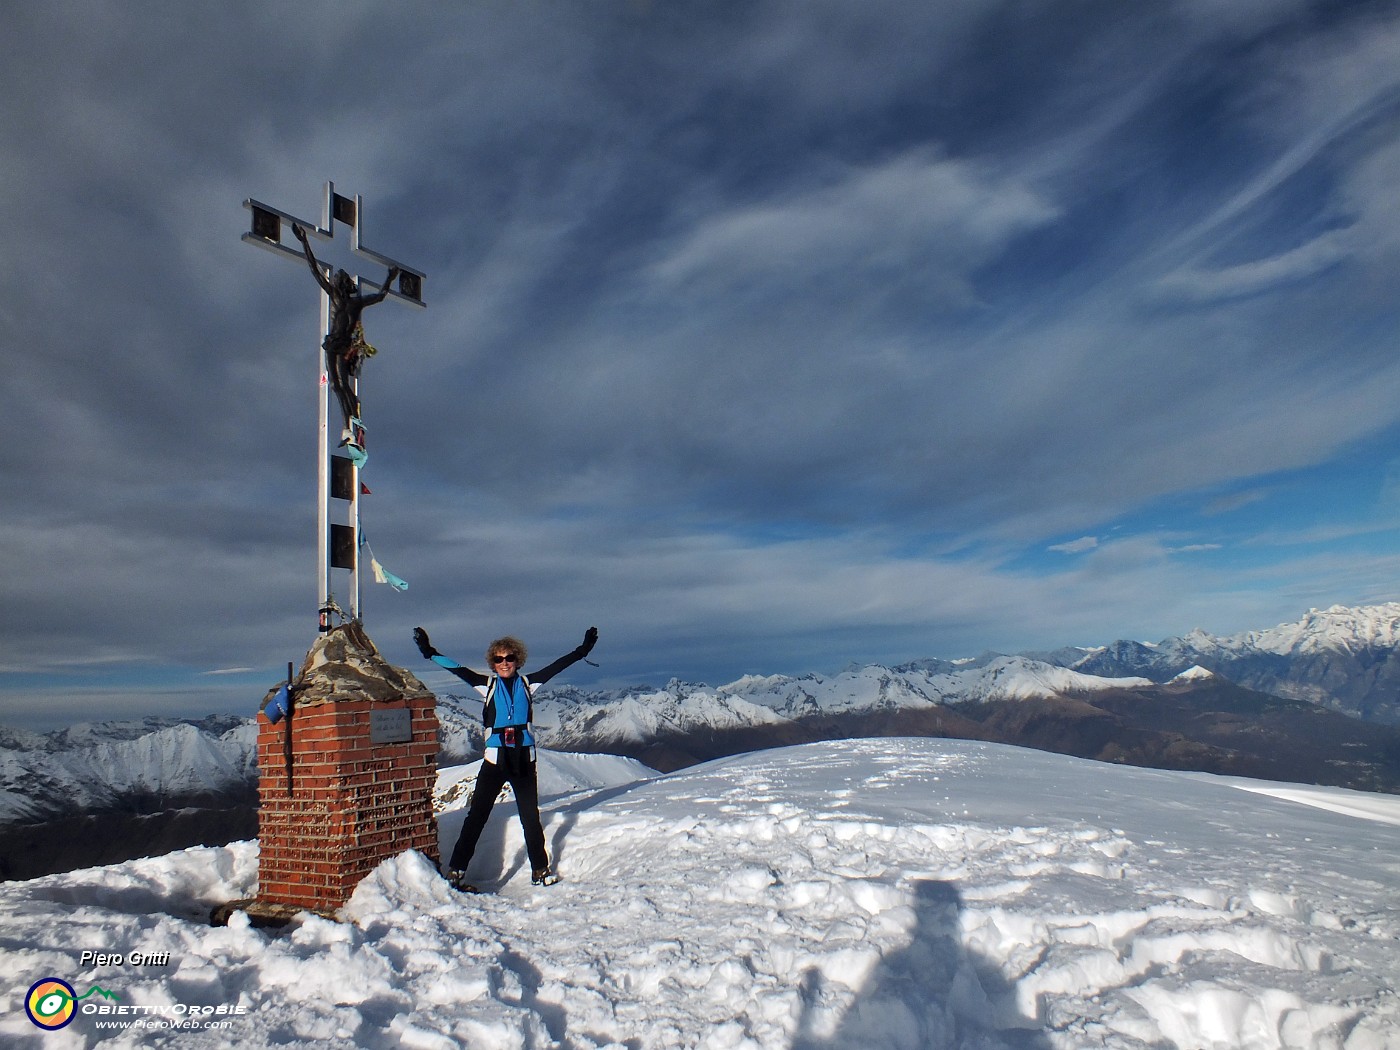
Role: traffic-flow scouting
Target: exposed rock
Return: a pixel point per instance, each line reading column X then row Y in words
column 344, row 664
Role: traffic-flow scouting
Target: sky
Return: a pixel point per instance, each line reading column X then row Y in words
column 766, row 337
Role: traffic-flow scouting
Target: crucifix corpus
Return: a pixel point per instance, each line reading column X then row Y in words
column 343, row 351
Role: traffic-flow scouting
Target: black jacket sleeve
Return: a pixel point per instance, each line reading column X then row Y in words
column 544, row 674
column 425, row 646
column 466, row 674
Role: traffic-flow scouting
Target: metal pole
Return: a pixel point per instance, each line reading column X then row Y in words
column 323, row 473
column 355, row 524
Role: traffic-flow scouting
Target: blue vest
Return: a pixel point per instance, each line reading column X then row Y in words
column 510, row 700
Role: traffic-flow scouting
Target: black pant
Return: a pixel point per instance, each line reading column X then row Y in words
column 516, row 767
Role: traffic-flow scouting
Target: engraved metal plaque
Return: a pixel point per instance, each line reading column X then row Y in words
column 391, row 726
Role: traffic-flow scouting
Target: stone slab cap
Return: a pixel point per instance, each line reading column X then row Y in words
column 344, row 664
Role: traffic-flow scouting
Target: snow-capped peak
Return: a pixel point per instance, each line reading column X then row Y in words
column 1338, row 628
column 1019, row 678
column 1194, row 673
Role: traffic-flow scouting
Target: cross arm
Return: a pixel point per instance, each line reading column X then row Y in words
column 267, row 226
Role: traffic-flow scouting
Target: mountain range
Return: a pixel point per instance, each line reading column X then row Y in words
column 1344, row 659
column 1316, row 701
column 97, row 793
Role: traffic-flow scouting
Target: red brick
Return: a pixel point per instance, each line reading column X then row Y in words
column 351, row 805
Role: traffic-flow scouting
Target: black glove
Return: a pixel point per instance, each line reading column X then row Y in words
column 590, row 639
column 420, row 639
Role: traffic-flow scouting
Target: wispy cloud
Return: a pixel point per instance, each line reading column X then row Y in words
column 1235, row 501
column 920, row 218
column 1252, row 278
column 1079, row 546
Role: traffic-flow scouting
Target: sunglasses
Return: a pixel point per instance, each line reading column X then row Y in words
column 508, row 658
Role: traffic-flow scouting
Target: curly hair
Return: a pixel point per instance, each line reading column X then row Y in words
column 508, row 644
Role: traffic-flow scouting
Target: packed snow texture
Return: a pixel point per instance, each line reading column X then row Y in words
column 921, row 894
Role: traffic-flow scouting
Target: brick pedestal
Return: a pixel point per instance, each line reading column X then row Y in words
column 362, row 772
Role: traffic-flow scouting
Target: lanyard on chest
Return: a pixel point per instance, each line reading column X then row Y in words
column 510, row 700
column 512, row 688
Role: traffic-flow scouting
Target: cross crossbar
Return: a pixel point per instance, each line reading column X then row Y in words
column 268, row 224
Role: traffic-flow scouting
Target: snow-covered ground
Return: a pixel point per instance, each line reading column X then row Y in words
column 919, row 894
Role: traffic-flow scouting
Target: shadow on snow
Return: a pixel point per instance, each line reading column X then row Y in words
column 933, row 994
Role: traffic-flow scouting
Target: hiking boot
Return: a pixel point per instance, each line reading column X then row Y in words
column 458, row 881
column 543, row 877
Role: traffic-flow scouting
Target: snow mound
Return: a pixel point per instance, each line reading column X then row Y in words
column 929, row 894
column 560, row 773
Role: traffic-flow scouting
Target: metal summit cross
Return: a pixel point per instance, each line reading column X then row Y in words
column 343, row 345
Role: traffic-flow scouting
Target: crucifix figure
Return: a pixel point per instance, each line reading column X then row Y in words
column 345, row 344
